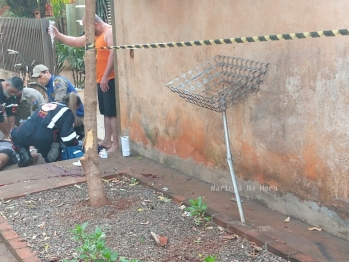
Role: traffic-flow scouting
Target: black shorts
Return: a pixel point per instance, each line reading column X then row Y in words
column 11, row 154
column 106, row 100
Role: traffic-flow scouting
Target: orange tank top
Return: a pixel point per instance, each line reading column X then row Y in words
column 102, row 57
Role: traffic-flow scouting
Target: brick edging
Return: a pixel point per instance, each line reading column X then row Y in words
column 274, row 246
column 17, row 246
column 23, row 253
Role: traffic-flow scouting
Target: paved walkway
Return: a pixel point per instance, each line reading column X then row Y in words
column 263, row 226
column 5, row 254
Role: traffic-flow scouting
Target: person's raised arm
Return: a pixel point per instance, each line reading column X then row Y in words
column 69, row 40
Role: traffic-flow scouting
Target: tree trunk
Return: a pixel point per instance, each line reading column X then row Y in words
column 90, row 161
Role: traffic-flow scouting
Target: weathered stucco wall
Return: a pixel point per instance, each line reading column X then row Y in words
column 292, row 135
column 4, row 74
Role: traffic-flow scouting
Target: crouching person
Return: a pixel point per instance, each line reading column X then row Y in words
column 50, row 124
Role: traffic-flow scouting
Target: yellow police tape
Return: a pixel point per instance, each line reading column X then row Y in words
column 237, row 40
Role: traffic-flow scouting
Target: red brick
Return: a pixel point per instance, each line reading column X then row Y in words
column 32, row 259
column 211, row 212
column 178, row 199
column 4, row 227
column 144, row 182
column 258, row 238
column 2, row 219
column 238, row 228
column 24, row 253
column 9, row 234
column 300, row 257
column 17, row 243
column 221, row 220
column 280, row 249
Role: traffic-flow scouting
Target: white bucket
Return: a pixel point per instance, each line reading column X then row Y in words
column 125, row 145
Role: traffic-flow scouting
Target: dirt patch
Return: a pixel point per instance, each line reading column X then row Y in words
column 45, row 220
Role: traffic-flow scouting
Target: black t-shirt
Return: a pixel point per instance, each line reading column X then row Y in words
column 8, row 105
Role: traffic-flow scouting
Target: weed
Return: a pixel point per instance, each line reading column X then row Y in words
column 210, row 259
column 197, row 210
column 93, row 247
column 164, row 199
column 133, row 181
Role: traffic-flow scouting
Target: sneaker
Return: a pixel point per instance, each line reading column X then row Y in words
column 25, row 158
column 52, row 155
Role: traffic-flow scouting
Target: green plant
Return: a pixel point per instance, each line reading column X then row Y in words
column 58, row 7
column 197, row 210
column 59, row 14
column 25, row 8
column 133, row 181
column 210, row 259
column 164, row 199
column 75, row 58
column 93, row 247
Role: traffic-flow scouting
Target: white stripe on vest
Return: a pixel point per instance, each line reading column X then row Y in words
column 57, row 116
column 70, row 137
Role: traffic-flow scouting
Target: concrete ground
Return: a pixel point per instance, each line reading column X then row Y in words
column 5, row 254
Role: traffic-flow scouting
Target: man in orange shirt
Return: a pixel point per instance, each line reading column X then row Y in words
column 105, row 78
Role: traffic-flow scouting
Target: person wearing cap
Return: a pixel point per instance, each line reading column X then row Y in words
column 105, row 77
column 57, row 87
column 28, row 100
column 51, row 124
column 8, row 105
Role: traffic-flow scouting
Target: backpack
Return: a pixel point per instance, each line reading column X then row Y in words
column 70, row 152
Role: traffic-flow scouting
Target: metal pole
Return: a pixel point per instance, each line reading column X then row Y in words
column 2, row 50
column 230, row 163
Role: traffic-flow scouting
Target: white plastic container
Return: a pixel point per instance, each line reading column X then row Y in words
column 125, row 145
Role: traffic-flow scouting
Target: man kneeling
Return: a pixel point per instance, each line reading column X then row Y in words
column 50, row 124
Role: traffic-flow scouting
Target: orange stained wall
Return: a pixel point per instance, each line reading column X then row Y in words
column 291, row 134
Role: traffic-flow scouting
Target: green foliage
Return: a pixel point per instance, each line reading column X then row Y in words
column 210, row 259
column 197, row 210
column 58, row 7
column 93, row 247
column 133, row 181
column 8, row 13
column 25, row 8
column 75, row 58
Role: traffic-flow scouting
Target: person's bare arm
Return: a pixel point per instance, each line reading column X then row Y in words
column 34, row 154
column 69, row 40
column 4, row 128
column 110, row 65
column 11, row 122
